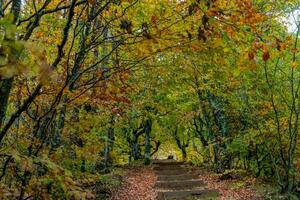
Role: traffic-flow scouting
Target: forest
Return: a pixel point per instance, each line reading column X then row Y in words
column 92, row 92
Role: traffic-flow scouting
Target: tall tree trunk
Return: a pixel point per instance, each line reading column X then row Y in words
column 221, row 122
column 182, row 145
column 5, row 88
column 147, row 127
column 1, row 8
column 16, row 9
column 218, row 113
column 135, row 145
column 56, row 138
column 199, row 125
column 109, row 143
column 6, row 84
column 156, row 147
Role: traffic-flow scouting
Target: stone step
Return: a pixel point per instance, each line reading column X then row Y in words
column 168, row 167
column 180, row 177
column 179, row 185
column 172, row 172
column 167, row 162
column 188, row 195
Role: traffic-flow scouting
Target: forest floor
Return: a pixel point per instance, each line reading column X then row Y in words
column 139, row 182
column 240, row 188
column 138, row 185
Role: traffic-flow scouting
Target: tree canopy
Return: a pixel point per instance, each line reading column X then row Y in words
column 86, row 85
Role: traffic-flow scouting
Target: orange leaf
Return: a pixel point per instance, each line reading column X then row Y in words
column 154, row 19
column 250, row 55
column 91, row 1
column 294, row 65
column 295, row 50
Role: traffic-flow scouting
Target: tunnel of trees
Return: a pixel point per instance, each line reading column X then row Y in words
column 87, row 85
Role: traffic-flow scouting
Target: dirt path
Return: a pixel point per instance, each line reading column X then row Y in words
column 175, row 180
column 138, row 185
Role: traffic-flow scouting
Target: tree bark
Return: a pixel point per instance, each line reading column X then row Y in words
column 6, row 84
column 147, row 128
column 56, row 138
column 5, row 89
column 109, row 143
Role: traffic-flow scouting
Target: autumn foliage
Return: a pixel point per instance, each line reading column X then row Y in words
column 86, row 85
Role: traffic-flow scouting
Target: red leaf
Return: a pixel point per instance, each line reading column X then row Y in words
column 266, row 56
column 250, row 55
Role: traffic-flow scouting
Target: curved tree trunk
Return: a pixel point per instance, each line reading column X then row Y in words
column 147, row 128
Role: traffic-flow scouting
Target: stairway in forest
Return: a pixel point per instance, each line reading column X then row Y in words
column 175, row 180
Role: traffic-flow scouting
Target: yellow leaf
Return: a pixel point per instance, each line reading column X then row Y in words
column 294, row 65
